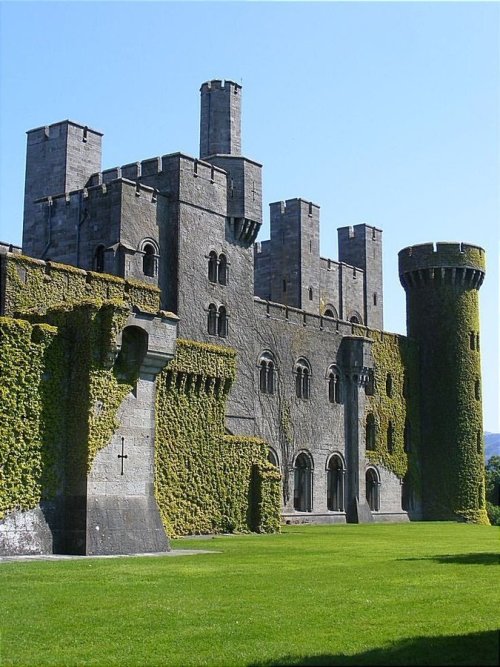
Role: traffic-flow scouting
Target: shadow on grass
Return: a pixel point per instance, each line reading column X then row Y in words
column 464, row 559
column 481, row 649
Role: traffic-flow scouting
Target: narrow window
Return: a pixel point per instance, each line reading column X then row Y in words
column 374, row 298
column 390, row 438
column 477, row 390
column 222, row 270
column 212, row 267
column 388, row 385
column 148, row 260
column 302, row 379
column 334, row 386
column 335, row 485
column 302, row 488
column 310, row 294
column 266, row 374
column 99, row 259
column 222, row 322
column 212, row 319
column 472, row 340
column 370, row 432
column 310, row 246
column 372, row 490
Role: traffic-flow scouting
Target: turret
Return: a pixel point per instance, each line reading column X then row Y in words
column 441, row 285
column 361, row 246
column 220, row 121
column 60, row 158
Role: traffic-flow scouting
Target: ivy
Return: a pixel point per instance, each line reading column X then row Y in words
column 206, row 481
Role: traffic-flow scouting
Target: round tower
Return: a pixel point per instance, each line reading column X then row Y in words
column 442, row 308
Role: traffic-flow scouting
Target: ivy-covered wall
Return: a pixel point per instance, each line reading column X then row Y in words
column 32, row 416
column 31, row 284
column 395, row 401
column 62, row 387
column 207, row 481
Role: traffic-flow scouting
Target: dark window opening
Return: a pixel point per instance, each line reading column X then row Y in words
column 212, row 267
column 148, row 260
column 390, row 438
column 222, row 322
column 370, row 432
column 99, row 259
column 212, row 319
column 222, row 270
column 302, row 488
column 272, row 457
column 335, row 485
column 388, row 385
column 334, row 393
column 310, row 294
column 372, row 490
column 266, row 375
column 302, row 380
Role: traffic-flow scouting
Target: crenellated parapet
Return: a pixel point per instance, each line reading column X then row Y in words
column 461, row 264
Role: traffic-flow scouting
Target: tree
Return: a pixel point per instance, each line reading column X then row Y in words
column 493, row 490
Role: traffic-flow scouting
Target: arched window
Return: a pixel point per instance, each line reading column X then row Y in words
column 212, row 319
column 134, row 345
column 302, row 488
column 370, row 431
column 222, row 270
column 302, row 379
column 372, row 489
column 272, row 457
column 99, row 259
column 388, row 385
column 330, row 312
column 390, row 438
column 334, row 387
column 266, row 373
column 222, row 322
column 148, row 260
column 335, row 484
column 212, row 267
column 354, row 319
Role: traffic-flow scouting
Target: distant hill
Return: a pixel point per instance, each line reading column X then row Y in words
column 492, row 445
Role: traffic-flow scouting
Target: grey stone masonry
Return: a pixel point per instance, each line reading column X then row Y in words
column 220, row 119
column 60, row 158
column 361, row 246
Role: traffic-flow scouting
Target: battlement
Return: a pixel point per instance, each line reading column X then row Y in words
column 362, row 231
column 133, row 171
column 296, row 202
column 30, row 284
column 300, row 317
column 220, row 84
column 445, row 262
column 54, row 130
column 102, row 188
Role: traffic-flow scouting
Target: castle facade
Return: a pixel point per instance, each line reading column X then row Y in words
column 362, row 424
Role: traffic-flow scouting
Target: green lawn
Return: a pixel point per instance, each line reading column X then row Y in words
column 405, row 594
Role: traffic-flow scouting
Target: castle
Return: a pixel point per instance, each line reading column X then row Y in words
column 357, row 424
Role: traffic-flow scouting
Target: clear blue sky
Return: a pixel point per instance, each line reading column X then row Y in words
column 384, row 113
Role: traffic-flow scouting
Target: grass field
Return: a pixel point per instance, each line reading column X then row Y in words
column 405, row 594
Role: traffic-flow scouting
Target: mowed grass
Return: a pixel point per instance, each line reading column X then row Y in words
column 405, row 594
